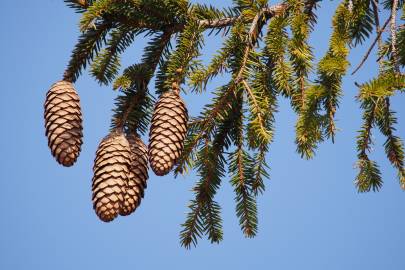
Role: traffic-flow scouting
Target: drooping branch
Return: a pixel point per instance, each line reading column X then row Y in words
column 379, row 33
column 301, row 55
column 89, row 44
column 365, row 139
column 151, row 62
column 369, row 175
column 207, row 123
column 204, row 216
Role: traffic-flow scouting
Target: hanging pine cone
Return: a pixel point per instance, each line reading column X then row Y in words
column 63, row 122
column 167, row 133
column 111, row 173
column 138, row 175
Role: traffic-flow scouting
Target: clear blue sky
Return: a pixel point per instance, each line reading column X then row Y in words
column 311, row 216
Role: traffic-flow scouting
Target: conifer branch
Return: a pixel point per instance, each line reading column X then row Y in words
column 300, row 51
column 361, row 22
column 239, row 120
column 107, row 63
column 242, row 180
column 200, row 77
column 401, row 40
column 204, row 126
column 141, row 79
column 193, row 227
column 254, row 100
column 310, row 123
column 189, row 43
column 213, row 221
column 365, row 138
column 394, row 147
column 259, row 116
column 309, row 7
column 219, row 23
column 394, row 35
column 207, row 124
column 275, row 54
column 369, row 176
column 376, row 39
column 378, row 30
column 268, row 12
column 89, row 44
column 374, row 97
column 260, row 171
column 312, row 126
column 204, row 216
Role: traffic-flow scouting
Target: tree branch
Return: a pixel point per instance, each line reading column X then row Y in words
column 378, row 28
column 224, row 22
column 269, row 12
column 367, row 138
column 152, row 63
column 372, row 46
column 394, row 35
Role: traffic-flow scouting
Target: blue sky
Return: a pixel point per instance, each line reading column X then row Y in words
column 310, row 217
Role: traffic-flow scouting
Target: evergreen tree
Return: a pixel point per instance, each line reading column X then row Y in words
column 267, row 53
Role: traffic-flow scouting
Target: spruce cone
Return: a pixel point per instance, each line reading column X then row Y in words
column 167, row 133
column 138, row 175
column 63, row 122
column 111, row 173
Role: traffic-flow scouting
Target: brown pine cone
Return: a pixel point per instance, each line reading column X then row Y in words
column 111, row 174
column 63, row 122
column 138, row 175
column 167, row 132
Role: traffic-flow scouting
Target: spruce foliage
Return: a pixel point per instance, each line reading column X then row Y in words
column 268, row 55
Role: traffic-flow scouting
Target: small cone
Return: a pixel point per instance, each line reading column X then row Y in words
column 138, row 175
column 167, row 132
column 63, row 122
column 111, row 173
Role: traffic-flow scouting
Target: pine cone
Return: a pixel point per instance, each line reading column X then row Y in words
column 138, row 175
column 167, row 133
column 63, row 122
column 111, row 174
